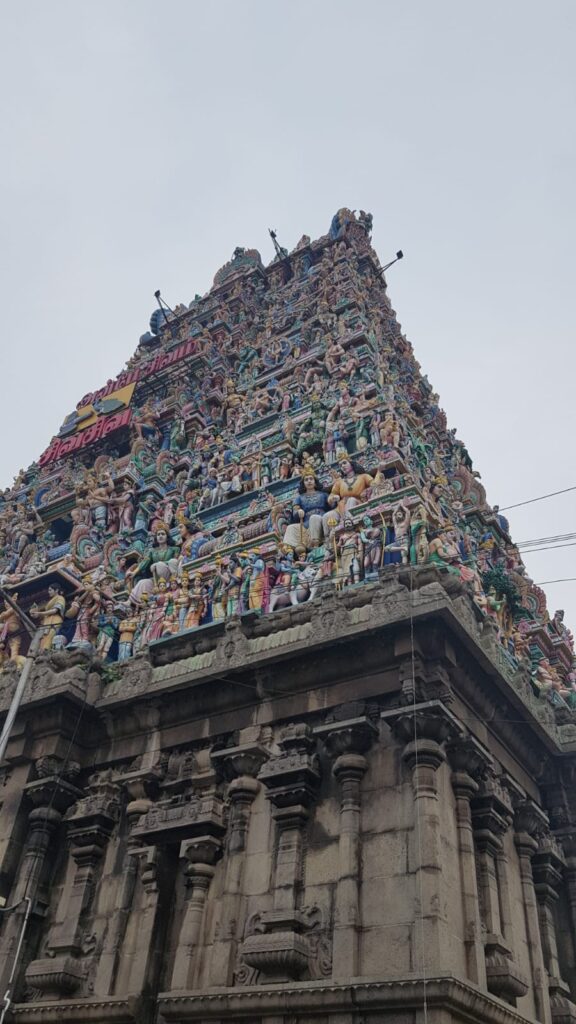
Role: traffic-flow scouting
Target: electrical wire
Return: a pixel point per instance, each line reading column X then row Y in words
column 550, row 547
column 531, row 501
column 545, row 540
column 566, row 579
column 418, row 815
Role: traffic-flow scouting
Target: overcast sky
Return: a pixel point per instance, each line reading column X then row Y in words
column 143, row 141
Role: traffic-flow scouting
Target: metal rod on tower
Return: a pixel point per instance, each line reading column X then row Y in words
column 399, row 256
column 163, row 307
column 36, row 633
column 281, row 252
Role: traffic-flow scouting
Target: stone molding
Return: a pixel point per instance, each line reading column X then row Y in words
column 312, row 998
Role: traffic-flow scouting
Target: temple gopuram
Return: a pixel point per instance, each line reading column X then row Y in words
column 297, row 739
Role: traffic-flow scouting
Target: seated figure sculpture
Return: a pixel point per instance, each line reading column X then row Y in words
column 310, row 509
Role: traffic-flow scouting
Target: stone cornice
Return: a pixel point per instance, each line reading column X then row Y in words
column 248, row 659
column 317, row 997
column 71, row 1011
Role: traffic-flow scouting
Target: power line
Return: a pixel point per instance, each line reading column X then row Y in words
column 530, row 501
column 545, row 540
column 550, row 547
column 566, row 579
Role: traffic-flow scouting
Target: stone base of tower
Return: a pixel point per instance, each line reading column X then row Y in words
column 350, row 811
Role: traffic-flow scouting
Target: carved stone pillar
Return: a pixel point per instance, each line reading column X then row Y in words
column 424, row 730
column 89, row 825
column 491, row 818
column 140, row 787
column 279, row 948
column 529, row 820
column 50, row 795
column 468, row 761
column 566, row 836
column 201, row 854
column 347, row 742
column 196, row 819
column 547, row 870
column 239, row 765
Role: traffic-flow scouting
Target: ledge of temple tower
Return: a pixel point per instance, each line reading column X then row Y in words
column 249, row 658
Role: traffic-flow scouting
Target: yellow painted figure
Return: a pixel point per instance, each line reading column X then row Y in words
column 51, row 615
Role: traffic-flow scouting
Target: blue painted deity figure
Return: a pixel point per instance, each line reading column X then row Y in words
column 310, row 511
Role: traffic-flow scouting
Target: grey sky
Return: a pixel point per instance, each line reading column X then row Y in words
column 144, row 141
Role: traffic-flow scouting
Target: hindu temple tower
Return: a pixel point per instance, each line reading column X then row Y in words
column 298, row 743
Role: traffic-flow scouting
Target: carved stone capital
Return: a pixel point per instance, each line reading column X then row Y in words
column 52, row 791
column 548, row 865
column 530, row 821
column 292, row 776
column 203, row 851
column 430, row 720
column 491, row 814
column 246, row 759
column 469, row 762
column 467, row 755
column 91, row 820
column 354, row 736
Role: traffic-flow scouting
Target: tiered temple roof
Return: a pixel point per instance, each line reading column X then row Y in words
column 271, row 441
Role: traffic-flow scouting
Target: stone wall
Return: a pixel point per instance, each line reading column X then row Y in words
column 344, row 816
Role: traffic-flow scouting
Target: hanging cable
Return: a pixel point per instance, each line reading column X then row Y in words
column 566, row 579
column 556, row 538
column 7, row 1000
column 549, row 547
column 505, row 508
column 418, row 817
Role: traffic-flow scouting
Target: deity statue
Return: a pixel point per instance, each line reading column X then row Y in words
column 84, row 608
column 51, row 615
column 125, row 502
column 257, row 585
column 158, row 604
column 127, row 627
column 217, row 594
column 11, row 634
column 233, row 576
column 108, row 624
column 146, row 424
column 281, row 592
column 161, row 559
column 444, row 553
column 99, row 499
column 197, row 606
column 310, row 508
column 349, row 547
column 350, row 487
column 371, row 537
column 419, row 536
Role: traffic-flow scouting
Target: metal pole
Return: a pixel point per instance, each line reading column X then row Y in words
column 36, row 634
column 19, row 691
column 7, row 1000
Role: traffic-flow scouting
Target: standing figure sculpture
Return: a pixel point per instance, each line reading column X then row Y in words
column 350, row 552
column 51, row 615
column 371, row 537
column 11, row 634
